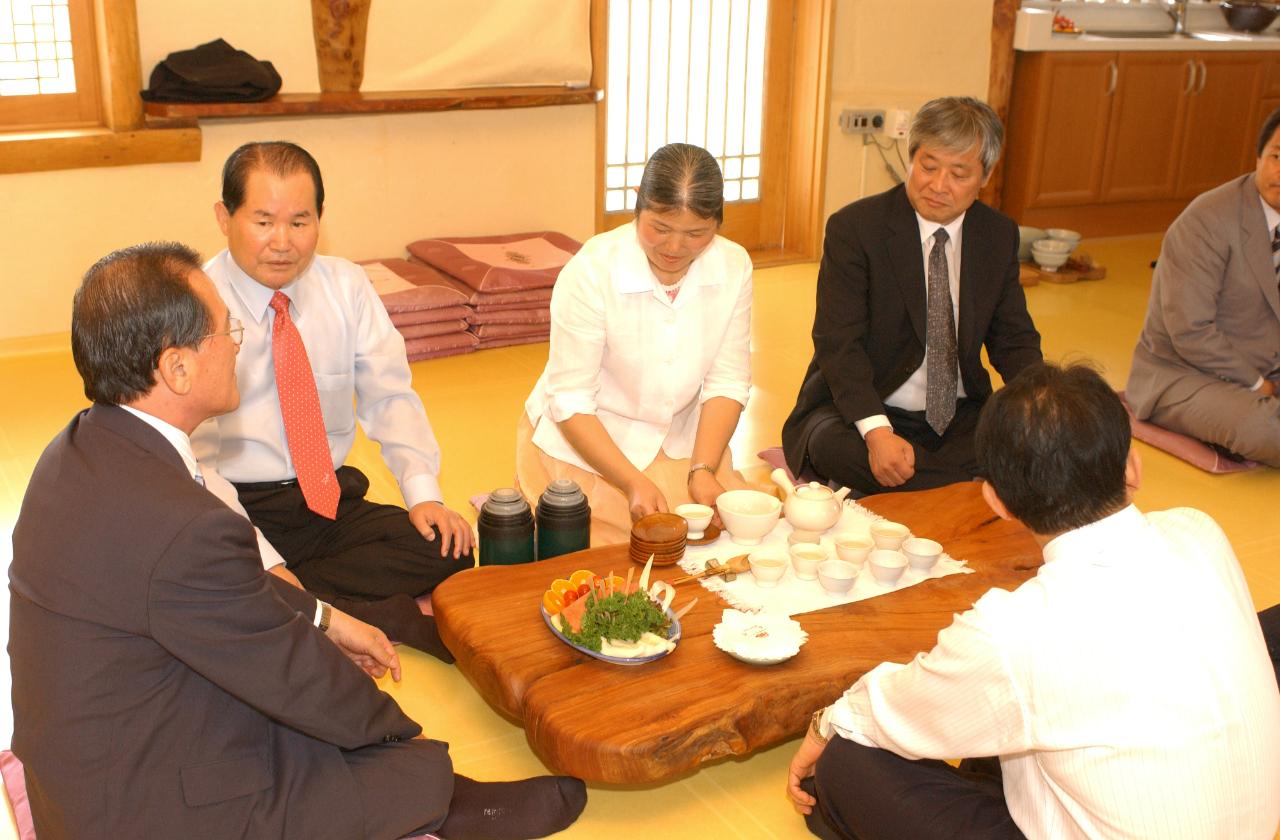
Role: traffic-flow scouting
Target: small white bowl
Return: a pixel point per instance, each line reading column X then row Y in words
column 837, row 576
column 698, row 517
column 805, row 558
column 922, row 554
column 767, row 567
column 1051, row 246
column 1049, row 261
column 889, row 535
column 748, row 515
column 853, row 548
column 887, row 566
column 1071, row 237
column 802, row 538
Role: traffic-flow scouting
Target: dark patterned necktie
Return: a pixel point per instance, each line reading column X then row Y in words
column 1275, row 250
column 940, row 339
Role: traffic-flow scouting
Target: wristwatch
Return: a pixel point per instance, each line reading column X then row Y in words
column 815, row 727
column 693, row 469
column 326, row 613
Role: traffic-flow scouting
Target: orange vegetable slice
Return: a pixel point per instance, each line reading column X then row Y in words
column 617, row 581
column 560, row 586
column 580, row 577
column 551, row 602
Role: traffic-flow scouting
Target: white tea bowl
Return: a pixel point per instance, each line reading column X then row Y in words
column 837, row 576
column 767, row 567
column 853, row 548
column 887, row 566
column 748, row 515
column 922, row 554
column 889, row 535
column 698, row 517
column 805, row 558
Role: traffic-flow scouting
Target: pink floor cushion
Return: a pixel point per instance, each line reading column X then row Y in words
column 436, row 328
column 511, row 316
column 514, row 262
column 429, row 316
column 405, row 286
column 1194, row 452
column 15, row 785
column 511, row 331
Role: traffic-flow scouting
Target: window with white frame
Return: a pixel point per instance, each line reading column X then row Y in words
column 689, row 71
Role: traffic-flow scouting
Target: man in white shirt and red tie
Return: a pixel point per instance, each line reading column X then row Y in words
column 1125, row 689
column 316, row 340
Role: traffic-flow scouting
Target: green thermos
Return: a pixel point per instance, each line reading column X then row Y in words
column 564, row 519
column 506, row 529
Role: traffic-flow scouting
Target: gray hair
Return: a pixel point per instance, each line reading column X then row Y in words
column 132, row 305
column 680, row 176
column 958, row 123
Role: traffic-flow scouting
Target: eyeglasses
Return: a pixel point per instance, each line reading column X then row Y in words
column 236, row 333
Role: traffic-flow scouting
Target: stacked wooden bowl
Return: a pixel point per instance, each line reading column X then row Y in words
column 660, row 535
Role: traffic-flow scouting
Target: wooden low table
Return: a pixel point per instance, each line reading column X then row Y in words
column 649, row 723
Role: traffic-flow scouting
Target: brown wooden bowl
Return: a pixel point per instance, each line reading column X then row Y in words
column 659, row 529
column 658, row 561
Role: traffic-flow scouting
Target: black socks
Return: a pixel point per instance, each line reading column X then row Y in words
column 402, row 621
column 512, row 810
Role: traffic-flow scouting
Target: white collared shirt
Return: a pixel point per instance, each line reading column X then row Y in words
column 209, row 477
column 910, row 395
column 1126, row 689
column 642, row 363
column 355, row 353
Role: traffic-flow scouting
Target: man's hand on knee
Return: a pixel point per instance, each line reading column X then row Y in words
column 892, row 459
column 455, row 532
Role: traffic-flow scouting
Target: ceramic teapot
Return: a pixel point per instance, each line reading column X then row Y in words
column 810, row 507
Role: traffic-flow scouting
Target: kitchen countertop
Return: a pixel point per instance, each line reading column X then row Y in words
column 1033, row 32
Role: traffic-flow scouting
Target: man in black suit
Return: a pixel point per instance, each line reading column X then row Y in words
column 913, row 283
column 163, row 684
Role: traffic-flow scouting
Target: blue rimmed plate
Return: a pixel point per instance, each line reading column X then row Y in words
column 673, row 634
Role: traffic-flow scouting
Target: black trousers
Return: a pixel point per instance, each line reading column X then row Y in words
column 871, row 794
column 369, row 552
column 837, row 452
column 1270, row 621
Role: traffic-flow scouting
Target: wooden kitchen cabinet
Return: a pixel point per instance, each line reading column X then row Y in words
column 1220, row 130
column 1114, row 143
column 1144, row 132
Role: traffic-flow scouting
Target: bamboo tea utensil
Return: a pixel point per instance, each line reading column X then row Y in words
column 732, row 566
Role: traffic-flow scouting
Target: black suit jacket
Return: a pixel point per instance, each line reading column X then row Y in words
column 869, row 329
column 163, row 685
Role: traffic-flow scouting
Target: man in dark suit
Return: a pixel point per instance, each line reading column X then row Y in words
column 163, row 684
column 913, row 283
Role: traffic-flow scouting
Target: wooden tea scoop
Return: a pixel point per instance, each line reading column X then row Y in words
column 734, row 565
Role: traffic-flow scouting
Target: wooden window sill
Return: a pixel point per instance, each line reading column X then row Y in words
column 378, row 102
column 43, row 151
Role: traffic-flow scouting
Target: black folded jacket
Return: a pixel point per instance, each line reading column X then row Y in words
column 212, row 72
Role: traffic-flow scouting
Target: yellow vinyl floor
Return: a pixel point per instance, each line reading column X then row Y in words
column 474, row 401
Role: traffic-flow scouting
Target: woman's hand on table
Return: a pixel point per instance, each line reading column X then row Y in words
column 704, row 489
column 644, row 498
column 802, row 768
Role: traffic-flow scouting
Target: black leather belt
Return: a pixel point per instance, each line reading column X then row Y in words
column 257, row 486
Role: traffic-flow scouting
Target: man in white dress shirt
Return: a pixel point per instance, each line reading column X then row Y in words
column 316, row 340
column 1125, row 689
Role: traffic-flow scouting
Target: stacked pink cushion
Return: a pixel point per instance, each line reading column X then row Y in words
column 508, row 280
column 428, row 309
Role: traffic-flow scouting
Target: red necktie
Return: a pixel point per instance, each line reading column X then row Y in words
column 300, row 408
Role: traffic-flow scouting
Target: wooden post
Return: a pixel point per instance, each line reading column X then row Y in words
column 1004, row 14
column 340, row 28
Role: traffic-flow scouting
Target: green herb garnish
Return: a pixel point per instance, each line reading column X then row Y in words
column 621, row 617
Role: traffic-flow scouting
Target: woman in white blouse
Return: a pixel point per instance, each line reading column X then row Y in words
column 649, row 367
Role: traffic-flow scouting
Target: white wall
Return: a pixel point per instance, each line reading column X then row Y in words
column 898, row 54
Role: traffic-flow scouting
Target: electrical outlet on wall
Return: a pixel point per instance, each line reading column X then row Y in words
column 897, row 123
